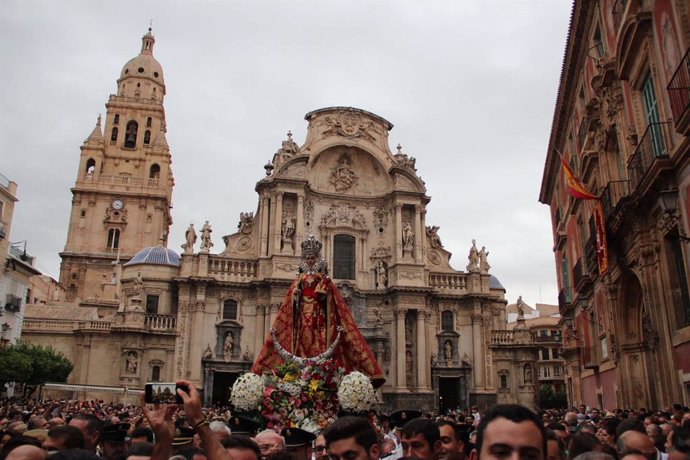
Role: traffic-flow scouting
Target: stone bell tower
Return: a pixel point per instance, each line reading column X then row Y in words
column 122, row 196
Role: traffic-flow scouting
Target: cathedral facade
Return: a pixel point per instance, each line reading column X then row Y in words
column 138, row 311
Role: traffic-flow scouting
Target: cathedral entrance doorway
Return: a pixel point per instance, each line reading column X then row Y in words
column 222, row 383
column 449, row 393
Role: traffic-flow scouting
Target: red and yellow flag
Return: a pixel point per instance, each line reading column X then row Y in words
column 578, row 190
column 576, row 187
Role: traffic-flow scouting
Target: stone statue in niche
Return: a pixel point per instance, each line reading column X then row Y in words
column 227, row 347
column 407, row 237
column 131, row 362
column 381, row 275
column 434, row 359
column 448, row 352
column 288, row 228
column 528, row 374
column 206, row 236
column 343, row 177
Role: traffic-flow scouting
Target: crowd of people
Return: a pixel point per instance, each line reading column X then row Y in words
column 89, row 430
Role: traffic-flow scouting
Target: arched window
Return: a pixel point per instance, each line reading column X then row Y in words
column 156, row 374
column 90, row 166
column 113, row 135
column 230, row 309
column 447, row 321
column 344, row 257
column 131, row 134
column 113, row 239
column 504, row 381
column 147, row 137
column 116, row 119
column 149, row 121
column 155, row 171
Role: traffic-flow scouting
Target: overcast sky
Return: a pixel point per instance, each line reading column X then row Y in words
column 469, row 85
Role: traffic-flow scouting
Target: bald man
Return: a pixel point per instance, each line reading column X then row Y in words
column 27, row 452
column 634, row 442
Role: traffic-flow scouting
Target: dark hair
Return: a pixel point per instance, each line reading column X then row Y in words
column 515, row 413
column 282, row 455
column 454, row 426
column 189, row 452
column 680, row 439
column 552, row 436
column 581, row 443
column 238, row 441
column 71, row 436
column 351, row 427
column 630, row 424
column 141, row 433
column 93, row 423
column 74, row 454
column 422, row 426
column 16, row 441
column 144, row 449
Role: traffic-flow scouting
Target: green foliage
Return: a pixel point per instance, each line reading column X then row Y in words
column 550, row 400
column 14, row 365
column 33, row 364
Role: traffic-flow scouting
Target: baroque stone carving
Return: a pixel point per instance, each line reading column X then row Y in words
column 342, row 177
column 410, row 275
column 206, row 243
column 348, row 123
column 246, row 223
column 343, row 215
column 432, row 236
column 380, row 252
column 381, row 216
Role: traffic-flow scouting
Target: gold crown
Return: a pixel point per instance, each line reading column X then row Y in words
column 311, row 246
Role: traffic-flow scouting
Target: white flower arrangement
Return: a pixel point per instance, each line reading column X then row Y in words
column 247, row 392
column 292, row 388
column 310, row 425
column 356, row 393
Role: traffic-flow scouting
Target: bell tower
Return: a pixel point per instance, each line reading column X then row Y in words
column 122, row 196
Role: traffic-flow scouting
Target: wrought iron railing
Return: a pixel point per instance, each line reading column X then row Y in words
column 679, row 89
column 653, row 146
column 614, row 193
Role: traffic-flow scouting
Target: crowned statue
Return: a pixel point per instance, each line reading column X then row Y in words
column 314, row 321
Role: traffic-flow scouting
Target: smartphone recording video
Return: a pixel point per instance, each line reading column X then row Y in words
column 162, row 393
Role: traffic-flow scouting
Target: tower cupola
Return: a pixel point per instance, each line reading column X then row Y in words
column 142, row 76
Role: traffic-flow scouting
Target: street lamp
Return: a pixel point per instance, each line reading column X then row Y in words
column 668, row 201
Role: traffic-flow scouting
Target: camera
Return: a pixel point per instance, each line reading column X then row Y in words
column 163, row 393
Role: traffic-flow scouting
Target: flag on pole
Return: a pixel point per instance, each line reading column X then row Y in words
column 576, row 187
column 578, row 190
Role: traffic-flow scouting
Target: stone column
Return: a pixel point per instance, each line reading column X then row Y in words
column 299, row 223
column 398, row 231
column 401, row 378
column 259, row 329
column 419, row 231
column 478, row 350
column 263, row 226
column 278, row 223
column 422, row 359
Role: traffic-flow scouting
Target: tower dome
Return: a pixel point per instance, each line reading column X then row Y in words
column 144, row 65
column 155, row 255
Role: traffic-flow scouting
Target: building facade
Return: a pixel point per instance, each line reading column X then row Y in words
column 621, row 123
column 138, row 311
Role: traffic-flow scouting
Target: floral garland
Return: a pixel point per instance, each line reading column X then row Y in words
column 303, row 397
